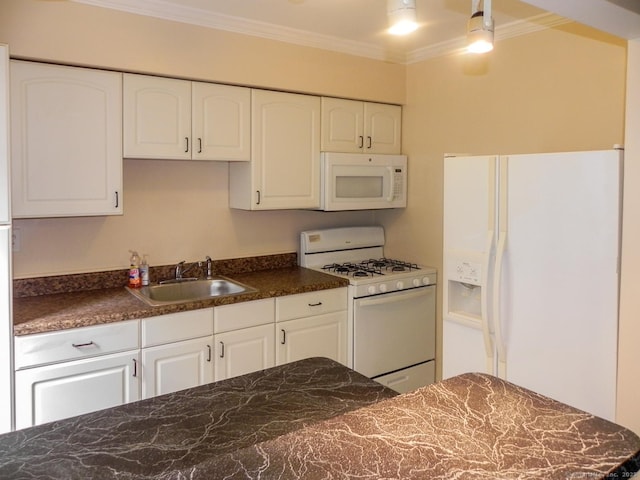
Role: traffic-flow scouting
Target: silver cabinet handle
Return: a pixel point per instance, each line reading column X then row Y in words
column 186, row 149
column 208, row 353
column 80, row 345
column 284, row 337
column 221, row 349
column 135, row 367
column 315, row 304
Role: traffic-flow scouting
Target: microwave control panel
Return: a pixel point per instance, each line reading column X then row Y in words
column 398, row 177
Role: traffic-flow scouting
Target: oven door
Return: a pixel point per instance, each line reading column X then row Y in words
column 393, row 331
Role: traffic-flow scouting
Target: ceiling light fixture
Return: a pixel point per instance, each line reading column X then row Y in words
column 402, row 16
column 480, row 27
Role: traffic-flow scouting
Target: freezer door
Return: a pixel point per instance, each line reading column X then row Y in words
column 469, row 240
column 559, row 224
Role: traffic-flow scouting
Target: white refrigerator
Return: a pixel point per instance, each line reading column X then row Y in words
column 531, row 272
column 6, row 336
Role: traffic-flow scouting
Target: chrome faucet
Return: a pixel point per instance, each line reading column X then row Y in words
column 181, row 270
column 209, row 267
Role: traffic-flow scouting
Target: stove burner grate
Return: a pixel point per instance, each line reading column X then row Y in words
column 371, row 267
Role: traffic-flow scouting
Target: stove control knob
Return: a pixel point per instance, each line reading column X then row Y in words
column 416, row 282
column 400, row 285
column 371, row 289
column 426, row 280
column 383, row 287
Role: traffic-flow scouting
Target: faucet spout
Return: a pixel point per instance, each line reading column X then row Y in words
column 181, row 270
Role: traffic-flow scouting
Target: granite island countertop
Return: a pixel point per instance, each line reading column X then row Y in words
column 59, row 309
column 318, row 419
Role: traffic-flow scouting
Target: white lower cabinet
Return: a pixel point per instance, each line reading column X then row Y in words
column 320, row 336
column 53, row 392
column 312, row 324
column 71, row 372
column 176, row 351
column 244, row 351
column 244, row 337
column 176, row 366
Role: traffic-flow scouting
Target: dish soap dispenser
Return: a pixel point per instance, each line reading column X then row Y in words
column 144, row 271
column 134, row 270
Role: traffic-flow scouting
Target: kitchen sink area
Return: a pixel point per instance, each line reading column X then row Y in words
column 189, row 290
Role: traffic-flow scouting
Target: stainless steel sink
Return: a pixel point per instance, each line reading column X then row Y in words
column 189, row 290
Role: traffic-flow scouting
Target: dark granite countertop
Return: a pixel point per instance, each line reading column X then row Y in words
column 59, row 310
column 318, row 419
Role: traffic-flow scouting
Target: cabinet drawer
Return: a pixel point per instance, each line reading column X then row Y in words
column 75, row 343
column 175, row 327
column 243, row 315
column 312, row 303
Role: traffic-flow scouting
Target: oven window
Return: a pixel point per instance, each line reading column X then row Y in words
column 359, row 186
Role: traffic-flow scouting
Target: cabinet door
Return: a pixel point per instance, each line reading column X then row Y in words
column 157, row 117
column 176, row 366
column 53, row 392
column 284, row 171
column 342, row 125
column 382, row 128
column 244, row 351
column 66, row 141
column 318, row 336
column 5, row 214
column 221, row 122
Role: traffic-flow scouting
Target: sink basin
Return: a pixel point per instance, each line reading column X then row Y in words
column 189, row 291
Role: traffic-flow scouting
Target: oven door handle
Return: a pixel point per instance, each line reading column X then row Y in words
column 390, row 298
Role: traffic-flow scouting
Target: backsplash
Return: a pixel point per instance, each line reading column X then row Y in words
column 29, row 287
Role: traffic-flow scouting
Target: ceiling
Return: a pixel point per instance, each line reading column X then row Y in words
column 356, row 27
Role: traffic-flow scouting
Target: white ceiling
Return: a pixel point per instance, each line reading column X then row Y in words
column 356, row 27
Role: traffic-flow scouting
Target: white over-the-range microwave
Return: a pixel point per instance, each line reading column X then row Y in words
column 359, row 181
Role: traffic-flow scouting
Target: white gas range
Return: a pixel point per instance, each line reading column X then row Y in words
column 391, row 304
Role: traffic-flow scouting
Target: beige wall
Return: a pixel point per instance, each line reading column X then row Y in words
column 73, row 33
column 628, row 412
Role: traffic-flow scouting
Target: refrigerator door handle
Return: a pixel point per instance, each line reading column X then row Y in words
column 484, row 306
column 500, row 345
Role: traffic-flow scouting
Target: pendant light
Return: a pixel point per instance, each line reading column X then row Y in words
column 402, row 16
column 480, row 27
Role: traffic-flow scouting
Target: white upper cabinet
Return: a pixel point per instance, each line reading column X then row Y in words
column 165, row 118
column 284, row 171
column 221, row 122
column 157, row 117
column 66, row 141
column 360, row 127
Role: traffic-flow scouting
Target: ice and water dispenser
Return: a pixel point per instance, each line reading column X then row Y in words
column 464, row 289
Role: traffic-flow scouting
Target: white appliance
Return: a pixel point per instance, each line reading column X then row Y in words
column 531, row 261
column 357, row 181
column 391, row 325
column 6, row 327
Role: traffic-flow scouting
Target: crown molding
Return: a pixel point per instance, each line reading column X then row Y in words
column 167, row 10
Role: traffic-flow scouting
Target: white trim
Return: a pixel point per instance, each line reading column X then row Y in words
column 170, row 11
